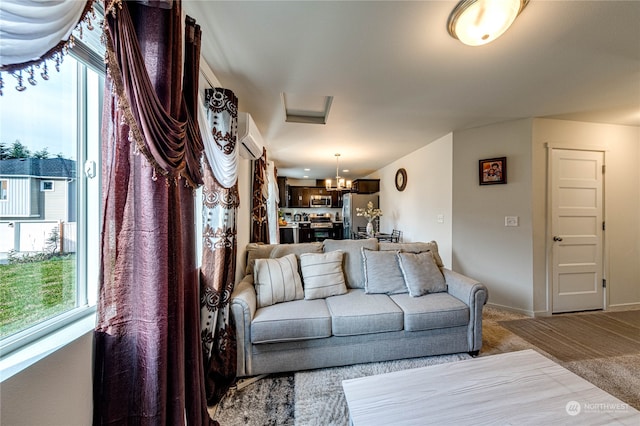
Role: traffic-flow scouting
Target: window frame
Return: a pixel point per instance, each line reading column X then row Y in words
column 23, row 348
column 43, row 184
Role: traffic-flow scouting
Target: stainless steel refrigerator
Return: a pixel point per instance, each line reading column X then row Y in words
column 351, row 222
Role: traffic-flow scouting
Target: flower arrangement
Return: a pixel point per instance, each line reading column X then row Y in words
column 370, row 213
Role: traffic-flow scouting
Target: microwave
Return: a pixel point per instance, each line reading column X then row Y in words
column 320, row 201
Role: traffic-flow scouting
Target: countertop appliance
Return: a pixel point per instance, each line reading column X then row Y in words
column 351, row 201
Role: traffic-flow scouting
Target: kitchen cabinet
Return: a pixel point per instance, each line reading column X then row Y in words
column 366, row 186
column 299, row 196
column 283, row 191
column 305, row 233
column 336, row 198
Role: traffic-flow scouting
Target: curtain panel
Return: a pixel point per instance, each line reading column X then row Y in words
column 259, row 219
column 148, row 357
column 219, row 210
column 35, row 31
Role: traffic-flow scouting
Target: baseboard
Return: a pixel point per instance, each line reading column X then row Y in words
column 624, row 307
column 512, row 309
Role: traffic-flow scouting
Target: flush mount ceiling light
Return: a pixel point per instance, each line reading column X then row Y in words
column 478, row 22
column 341, row 184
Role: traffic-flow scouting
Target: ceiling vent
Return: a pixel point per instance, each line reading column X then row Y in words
column 249, row 137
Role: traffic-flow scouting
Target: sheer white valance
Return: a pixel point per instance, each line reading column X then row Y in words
column 33, row 31
column 218, row 120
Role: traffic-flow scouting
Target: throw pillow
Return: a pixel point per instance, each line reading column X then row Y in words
column 416, row 247
column 382, row 273
column 322, row 274
column 277, row 280
column 421, row 274
column 352, row 258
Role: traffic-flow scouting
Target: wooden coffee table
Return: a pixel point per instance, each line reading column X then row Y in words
column 513, row 388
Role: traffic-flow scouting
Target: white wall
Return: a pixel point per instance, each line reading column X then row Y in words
column 56, row 390
column 483, row 248
column 622, row 202
column 245, row 181
column 415, row 210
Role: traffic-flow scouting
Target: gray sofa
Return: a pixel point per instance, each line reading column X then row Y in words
column 361, row 323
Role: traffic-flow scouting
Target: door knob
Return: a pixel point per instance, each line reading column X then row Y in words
column 557, row 238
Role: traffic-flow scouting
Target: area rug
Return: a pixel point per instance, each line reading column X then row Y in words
column 319, row 398
column 582, row 336
column 268, row 401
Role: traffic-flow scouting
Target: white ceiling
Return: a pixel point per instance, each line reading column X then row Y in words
column 399, row 81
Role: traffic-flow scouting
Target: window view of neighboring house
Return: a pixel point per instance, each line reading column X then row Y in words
column 49, row 208
column 4, row 185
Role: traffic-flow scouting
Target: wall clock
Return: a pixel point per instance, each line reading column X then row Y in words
column 401, row 179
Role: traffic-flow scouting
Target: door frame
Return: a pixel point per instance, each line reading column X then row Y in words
column 549, row 221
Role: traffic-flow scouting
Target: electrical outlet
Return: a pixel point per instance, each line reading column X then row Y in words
column 440, row 218
column 511, row 221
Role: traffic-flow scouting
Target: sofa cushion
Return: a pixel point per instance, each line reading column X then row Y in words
column 277, row 280
column 438, row 310
column 297, row 320
column 359, row 313
column 257, row 251
column 382, row 272
column 431, row 246
column 352, row 263
column 322, row 274
column 421, row 274
column 266, row 251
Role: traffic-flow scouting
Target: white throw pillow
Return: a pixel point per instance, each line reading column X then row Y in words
column 421, row 273
column 277, row 280
column 322, row 274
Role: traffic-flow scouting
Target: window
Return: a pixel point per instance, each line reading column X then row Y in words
column 46, row 185
column 4, row 189
column 48, row 277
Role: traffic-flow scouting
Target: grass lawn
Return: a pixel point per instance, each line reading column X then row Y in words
column 36, row 291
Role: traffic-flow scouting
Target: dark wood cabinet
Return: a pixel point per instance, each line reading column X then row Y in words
column 299, row 196
column 366, row 186
column 283, row 191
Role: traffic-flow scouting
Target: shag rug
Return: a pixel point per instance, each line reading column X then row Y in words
column 316, row 398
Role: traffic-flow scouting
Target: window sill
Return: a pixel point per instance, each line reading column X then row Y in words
column 20, row 359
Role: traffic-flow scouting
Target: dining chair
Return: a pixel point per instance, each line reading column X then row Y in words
column 396, row 236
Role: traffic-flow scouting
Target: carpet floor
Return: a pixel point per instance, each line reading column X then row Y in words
column 315, row 397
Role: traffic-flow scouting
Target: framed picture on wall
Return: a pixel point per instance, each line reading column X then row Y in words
column 493, row 171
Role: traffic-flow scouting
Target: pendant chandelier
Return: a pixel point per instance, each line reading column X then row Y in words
column 341, row 183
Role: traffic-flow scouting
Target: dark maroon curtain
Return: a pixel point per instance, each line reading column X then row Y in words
column 148, row 359
column 259, row 222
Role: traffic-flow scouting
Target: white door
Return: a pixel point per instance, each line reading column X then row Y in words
column 576, row 230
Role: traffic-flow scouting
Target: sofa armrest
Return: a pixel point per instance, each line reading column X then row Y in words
column 475, row 295
column 243, row 308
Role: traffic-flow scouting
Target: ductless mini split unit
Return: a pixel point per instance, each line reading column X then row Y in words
column 249, row 137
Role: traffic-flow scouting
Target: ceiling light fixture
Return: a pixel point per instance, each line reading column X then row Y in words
column 478, row 22
column 341, row 184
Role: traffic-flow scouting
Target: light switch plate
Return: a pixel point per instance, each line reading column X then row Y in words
column 511, row 221
column 440, row 218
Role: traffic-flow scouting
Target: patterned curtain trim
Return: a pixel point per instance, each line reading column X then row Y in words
column 14, row 15
column 169, row 159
